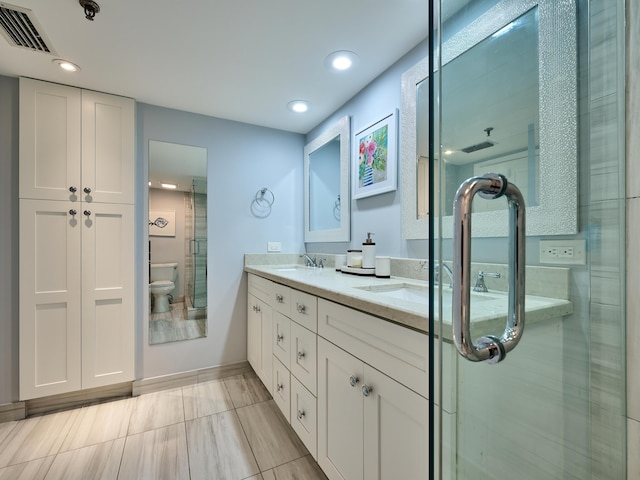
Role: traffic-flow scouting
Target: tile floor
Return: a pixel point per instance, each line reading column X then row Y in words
column 224, row 429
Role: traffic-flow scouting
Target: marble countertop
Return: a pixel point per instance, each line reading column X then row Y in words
column 371, row 295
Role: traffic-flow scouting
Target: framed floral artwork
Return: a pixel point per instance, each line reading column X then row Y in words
column 375, row 159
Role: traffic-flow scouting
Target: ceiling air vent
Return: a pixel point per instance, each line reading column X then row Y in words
column 21, row 29
column 477, row 146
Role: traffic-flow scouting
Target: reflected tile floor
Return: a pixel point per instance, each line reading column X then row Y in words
column 226, row 429
column 172, row 326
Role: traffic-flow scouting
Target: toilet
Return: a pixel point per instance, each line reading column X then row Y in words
column 162, row 278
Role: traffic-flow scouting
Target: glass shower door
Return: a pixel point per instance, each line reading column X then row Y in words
column 550, row 403
column 198, row 249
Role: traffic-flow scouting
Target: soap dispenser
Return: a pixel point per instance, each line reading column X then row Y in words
column 369, row 252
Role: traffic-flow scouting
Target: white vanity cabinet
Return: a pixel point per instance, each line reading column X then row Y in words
column 353, row 386
column 76, row 247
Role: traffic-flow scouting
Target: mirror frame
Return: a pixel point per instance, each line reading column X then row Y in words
column 342, row 130
column 557, row 214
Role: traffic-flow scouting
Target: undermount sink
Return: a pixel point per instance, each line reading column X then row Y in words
column 418, row 293
column 292, row 268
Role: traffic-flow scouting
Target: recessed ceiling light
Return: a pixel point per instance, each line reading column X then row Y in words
column 169, row 185
column 66, row 65
column 298, row 106
column 341, row 60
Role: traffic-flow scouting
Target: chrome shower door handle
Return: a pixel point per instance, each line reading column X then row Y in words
column 489, row 348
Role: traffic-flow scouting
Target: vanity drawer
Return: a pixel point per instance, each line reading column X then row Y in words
column 304, row 309
column 282, row 338
column 282, row 388
column 281, row 298
column 397, row 351
column 304, row 355
column 304, row 411
column 260, row 288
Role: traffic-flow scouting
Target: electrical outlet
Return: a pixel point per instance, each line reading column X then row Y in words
column 563, row 252
column 274, row 247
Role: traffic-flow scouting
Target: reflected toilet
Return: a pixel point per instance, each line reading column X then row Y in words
column 162, row 283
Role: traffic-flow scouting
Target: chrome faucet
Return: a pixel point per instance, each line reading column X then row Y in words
column 480, row 285
column 311, row 262
column 438, row 276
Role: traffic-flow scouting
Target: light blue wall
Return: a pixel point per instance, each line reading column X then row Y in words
column 382, row 213
column 241, row 159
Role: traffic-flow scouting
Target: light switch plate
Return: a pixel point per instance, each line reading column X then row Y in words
column 563, row 252
column 274, row 247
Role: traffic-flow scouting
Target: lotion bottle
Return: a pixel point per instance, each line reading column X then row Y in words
column 369, row 252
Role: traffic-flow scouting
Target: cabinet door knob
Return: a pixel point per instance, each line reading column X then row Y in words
column 73, row 211
column 300, row 355
column 73, row 189
column 87, row 213
column 279, row 338
column 301, row 308
column 353, row 380
column 256, row 308
column 300, row 414
column 87, row 190
column 366, row 390
column 279, row 387
column 279, row 298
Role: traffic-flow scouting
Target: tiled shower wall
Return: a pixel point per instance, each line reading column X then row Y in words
column 633, row 239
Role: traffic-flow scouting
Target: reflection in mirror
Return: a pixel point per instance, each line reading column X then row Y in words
column 498, row 130
column 177, row 242
column 510, row 94
column 326, row 185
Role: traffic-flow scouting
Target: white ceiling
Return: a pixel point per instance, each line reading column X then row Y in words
column 240, row 60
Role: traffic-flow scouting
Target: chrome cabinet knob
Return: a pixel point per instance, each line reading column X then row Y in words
column 279, row 387
column 353, row 380
column 366, row 390
column 300, row 355
column 73, row 189
column 73, row 211
column 300, row 414
column 301, row 308
column 87, row 213
column 279, row 338
column 256, row 308
column 279, row 298
column 86, row 190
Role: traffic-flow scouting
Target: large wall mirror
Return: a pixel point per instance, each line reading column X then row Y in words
column 326, row 185
column 501, row 111
column 177, row 242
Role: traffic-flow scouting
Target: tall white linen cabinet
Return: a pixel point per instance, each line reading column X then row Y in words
column 76, row 239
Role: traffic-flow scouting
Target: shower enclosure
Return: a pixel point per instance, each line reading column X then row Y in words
column 196, row 251
column 551, row 403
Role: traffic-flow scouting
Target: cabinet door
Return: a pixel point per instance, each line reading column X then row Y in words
column 107, row 294
column 304, row 416
column 340, row 421
column 107, row 148
column 259, row 340
column 50, row 290
column 50, row 145
column 282, row 388
column 282, row 338
column 396, row 429
column 304, row 356
column 254, row 337
column 266, row 352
